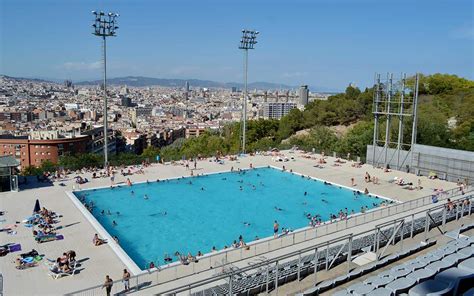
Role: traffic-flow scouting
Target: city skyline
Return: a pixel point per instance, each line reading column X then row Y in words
column 323, row 44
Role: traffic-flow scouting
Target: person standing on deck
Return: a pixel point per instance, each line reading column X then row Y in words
column 108, row 285
column 126, row 280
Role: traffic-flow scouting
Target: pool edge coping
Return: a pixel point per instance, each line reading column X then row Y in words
column 116, row 248
column 136, row 270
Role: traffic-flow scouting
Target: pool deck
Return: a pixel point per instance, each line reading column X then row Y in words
column 100, row 261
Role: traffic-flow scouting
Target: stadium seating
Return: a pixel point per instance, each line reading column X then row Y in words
column 457, row 251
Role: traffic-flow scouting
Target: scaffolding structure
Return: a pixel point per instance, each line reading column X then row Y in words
column 396, row 103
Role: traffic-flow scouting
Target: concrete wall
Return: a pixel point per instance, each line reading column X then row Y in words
column 448, row 164
column 392, row 158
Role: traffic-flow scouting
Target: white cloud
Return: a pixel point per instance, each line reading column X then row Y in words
column 464, row 32
column 80, row 66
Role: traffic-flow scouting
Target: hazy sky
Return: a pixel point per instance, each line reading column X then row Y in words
column 326, row 43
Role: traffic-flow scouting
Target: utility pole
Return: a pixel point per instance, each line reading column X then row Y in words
column 105, row 26
column 248, row 41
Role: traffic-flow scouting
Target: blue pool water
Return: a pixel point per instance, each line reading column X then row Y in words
column 207, row 211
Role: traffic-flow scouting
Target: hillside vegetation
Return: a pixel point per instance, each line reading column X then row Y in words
column 441, row 97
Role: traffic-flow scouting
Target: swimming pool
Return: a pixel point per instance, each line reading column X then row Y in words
column 194, row 214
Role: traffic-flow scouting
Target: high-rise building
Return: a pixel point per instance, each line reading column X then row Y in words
column 124, row 91
column 186, row 91
column 274, row 110
column 126, row 101
column 303, row 95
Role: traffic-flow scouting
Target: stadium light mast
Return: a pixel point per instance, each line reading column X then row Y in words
column 105, row 26
column 248, row 41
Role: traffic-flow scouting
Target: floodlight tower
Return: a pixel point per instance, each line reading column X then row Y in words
column 248, row 41
column 105, row 26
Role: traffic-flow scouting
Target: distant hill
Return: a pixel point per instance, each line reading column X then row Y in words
column 139, row 81
column 26, row 79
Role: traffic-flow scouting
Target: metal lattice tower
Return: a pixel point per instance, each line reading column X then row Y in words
column 396, row 103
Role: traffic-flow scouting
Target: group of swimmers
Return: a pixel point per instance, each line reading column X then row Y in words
column 240, row 243
column 313, row 220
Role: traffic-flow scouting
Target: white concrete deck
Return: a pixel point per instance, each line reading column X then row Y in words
column 102, row 260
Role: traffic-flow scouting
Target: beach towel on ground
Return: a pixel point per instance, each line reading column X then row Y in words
column 14, row 248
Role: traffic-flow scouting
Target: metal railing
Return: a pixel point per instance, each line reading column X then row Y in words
column 217, row 260
column 460, row 212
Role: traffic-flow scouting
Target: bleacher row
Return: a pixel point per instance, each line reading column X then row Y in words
column 255, row 283
column 448, row 270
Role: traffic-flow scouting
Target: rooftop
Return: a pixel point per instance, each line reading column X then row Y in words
column 7, row 161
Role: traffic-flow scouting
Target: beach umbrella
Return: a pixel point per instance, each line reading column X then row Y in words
column 37, row 207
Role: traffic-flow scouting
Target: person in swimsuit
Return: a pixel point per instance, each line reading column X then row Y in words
column 126, row 280
column 108, row 285
column 275, row 228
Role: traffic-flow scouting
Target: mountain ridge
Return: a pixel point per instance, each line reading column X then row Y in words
column 142, row 81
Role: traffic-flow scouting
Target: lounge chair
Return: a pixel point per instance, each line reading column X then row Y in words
column 59, row 274
column 45, row 238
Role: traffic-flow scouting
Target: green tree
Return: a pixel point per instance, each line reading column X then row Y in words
column 355, row 141
column 47, row 166
column 31, row 171
column 432, row 127
column 150, row 153
column 320, row 138
column 290, row 123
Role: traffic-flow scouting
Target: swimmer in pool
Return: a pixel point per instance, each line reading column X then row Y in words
column 305, row 193
column 278, row 209
column 114, row 223
column 108, row 212
column 323, row 200
column 145, row 196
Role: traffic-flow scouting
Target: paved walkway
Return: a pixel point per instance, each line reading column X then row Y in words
column 99, row 261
